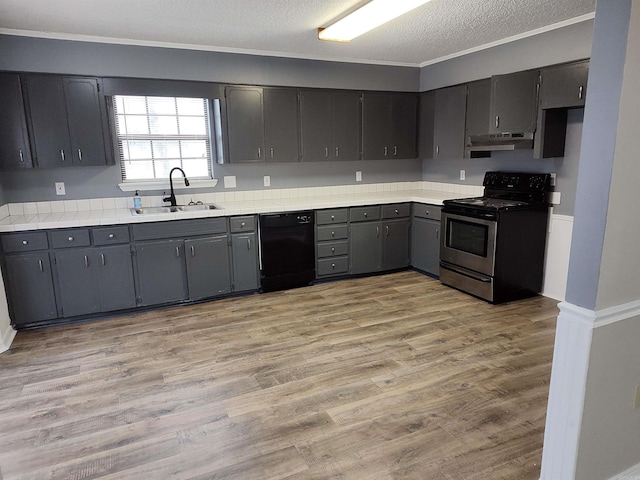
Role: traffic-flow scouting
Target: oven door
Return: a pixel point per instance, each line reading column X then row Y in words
column 468, row 242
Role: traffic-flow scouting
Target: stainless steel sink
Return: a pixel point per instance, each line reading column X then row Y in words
column 179, row 208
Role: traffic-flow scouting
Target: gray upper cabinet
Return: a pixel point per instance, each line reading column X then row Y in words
column 208, row 269
column 262, row 124
column 514, row 102
column 389, row 125
column 281, row 124
column 564, row 86
column 449, row 122
column 14, row 140
column 68, row 120
column 478, row 107
column 330, row 125
column 30, row 288
column 426, row 124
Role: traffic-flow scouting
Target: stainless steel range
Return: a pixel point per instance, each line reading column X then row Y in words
column 493, row 246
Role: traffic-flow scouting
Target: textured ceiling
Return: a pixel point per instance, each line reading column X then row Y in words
column 438, row 29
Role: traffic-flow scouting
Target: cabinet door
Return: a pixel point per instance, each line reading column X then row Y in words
column 245, row 124
column 245, row 262
column 514, row 102
column 426, row 124
column 315, row 131
column 345, row 126
column 478, row 107
column 395, row 244
column 30, row 285
column 404, row 124
column 114, row 270
column 77, row 283
column 208, row 270
column 14, row 141
column 161, row 272
column 48, row 113
column 376, row 125
column 85, row 116
column 366, row 247
column 450, row 111
column 425, row 245
column 280, row 124
column 564, row 86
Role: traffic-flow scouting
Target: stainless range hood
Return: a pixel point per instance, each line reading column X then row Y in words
column 499, row 142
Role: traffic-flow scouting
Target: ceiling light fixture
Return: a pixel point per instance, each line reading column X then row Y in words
column 366, row 18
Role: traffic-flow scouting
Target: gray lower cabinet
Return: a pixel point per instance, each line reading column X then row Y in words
column 208, row 271
column 332, row 242
column 245, row 261
column 395, row 244
column 94, row 279
column 366, row 247
column 425, row 238
column 161, row 272
column 30, row 286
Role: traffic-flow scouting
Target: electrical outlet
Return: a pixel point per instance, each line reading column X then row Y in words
column 636, row 400
column 358, row 176
column 552, row 179
column 463, row 175
column 230, row 181
column 60, row 188
column 267, row 181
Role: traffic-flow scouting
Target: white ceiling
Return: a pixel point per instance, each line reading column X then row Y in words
column 438, row 30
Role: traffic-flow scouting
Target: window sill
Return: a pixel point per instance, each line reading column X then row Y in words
column 156, row 185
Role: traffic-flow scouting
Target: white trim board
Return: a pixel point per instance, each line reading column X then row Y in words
column 631, row 474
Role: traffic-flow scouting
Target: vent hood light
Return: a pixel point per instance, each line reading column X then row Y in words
column 366, row 18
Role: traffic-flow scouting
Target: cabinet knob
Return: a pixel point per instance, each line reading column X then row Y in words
column 365, row 214
column 242, row 225
column 333, row 217
column 71, row 239
column 111, row 235
column 333, row 250
column 396, row 210
column 426, row 212
column 25, row 242
column 333, row 234
column 333, row 266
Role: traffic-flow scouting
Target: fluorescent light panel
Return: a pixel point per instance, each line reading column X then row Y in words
column 366, row 18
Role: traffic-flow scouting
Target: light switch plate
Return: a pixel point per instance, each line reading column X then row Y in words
column 230, row 181
column 267, row 181
column 60, row 188
column 358, row 176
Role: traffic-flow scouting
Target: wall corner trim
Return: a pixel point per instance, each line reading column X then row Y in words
column 7, row 339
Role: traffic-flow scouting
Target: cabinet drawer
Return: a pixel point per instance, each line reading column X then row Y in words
column 77, row 237
column 423, row 210
column 243, row 224
column 333, row 266
column 327, row 217
column 24, row 242
column 332, row 232
column 333, row 249
column 179, row 228
column 110, row 235
column 396, row 210
column 363, row 214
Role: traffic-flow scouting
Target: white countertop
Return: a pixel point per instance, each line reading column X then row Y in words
column 112, row 216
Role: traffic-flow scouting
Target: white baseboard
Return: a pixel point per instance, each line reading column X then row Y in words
column 631, row 474
column 7, row 338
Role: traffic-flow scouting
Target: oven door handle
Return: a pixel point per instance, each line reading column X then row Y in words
column 466, row 273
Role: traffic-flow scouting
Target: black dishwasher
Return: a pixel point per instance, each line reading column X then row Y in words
column 286, row 250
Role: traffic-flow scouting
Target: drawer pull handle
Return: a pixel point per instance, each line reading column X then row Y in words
column 111, row 235
column 86, row 261
column 71, row 239
column 41, row 265
column 25, row 242
column 103, row 259
column 333, row 250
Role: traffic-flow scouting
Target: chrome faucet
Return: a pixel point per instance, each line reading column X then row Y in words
column 172, row 198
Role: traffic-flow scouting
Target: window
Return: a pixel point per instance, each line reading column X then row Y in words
column 156, row 134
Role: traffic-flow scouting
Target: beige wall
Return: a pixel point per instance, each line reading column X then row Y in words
column 620, row 268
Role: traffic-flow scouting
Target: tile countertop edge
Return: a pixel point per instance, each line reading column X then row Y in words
column 227, row 209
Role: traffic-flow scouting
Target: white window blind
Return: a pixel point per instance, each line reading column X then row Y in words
column 156, row 134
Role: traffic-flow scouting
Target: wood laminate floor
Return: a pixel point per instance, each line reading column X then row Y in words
column 387, row 377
